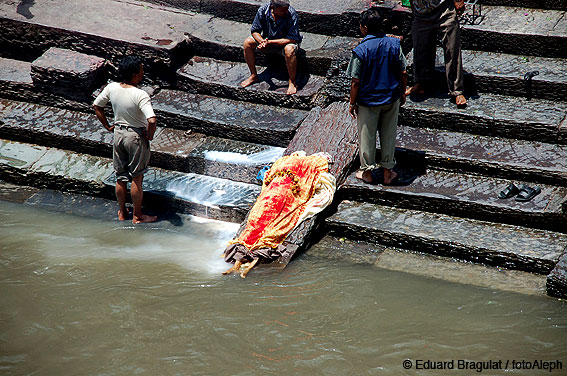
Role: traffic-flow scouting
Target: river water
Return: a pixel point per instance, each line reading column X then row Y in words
column 82, row 294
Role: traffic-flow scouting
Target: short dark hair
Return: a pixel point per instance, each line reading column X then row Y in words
column 372, row 19
column 128, row 67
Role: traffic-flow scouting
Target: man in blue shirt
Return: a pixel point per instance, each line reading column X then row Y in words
column 378, row 84
column 275, row 30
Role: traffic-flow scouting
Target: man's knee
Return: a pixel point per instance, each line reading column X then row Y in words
column 250, row 43
column 289, row 50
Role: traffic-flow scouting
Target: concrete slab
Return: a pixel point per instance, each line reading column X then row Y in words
column 512, row 247
column 227, row 118
column 490, row 115
column 504, row 158
column 466, row 196
column 221, row 78
column 171, row 149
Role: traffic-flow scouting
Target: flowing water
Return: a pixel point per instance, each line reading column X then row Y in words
column 82, row 294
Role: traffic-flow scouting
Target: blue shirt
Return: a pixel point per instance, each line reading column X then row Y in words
column 380, row 73
column 286, row 27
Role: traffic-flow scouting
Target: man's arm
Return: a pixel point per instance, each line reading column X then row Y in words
column 353, row 107
column 403, row 86
column 149, row 134
column 279, row 42
column 99, row 111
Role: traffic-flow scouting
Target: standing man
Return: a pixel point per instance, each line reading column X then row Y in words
column 275, row 30
column 378, row 82
column 134, row 127
column 429, row 16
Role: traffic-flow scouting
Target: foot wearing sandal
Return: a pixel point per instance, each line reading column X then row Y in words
column 527, row 193
column 510, row 191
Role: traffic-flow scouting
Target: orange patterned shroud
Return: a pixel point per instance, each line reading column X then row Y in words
column 288, row 185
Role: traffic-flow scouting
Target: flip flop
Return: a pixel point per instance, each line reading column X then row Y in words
column 527, row 193
column 509, row 191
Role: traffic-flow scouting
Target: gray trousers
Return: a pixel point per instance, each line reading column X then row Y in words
column 424, row 34
column 384, row 120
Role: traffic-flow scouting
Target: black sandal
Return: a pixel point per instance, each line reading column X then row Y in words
column 527, row 193
column 509, row 191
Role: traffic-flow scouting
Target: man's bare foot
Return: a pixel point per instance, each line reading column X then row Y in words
column 364, row 175
column 122, row 216
column 389, row 176
column 460, row 100
column 291, row 89
column 144, row 219
column 250, row 80
column 415, row 89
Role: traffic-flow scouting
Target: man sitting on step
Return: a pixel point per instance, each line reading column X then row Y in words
column 429, row 16
column 275, row 30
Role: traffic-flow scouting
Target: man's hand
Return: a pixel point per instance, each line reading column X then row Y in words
column 263, row 44
column 460, row 6
column 353, row 110
column 110, row 129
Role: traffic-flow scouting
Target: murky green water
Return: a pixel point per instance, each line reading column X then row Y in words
column 91, row 296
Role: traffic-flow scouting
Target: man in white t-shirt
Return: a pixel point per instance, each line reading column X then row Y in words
column 134, row 127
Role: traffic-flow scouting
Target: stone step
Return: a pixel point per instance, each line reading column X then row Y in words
column 222, row 79
column 518, row 31
column 110, row 28
column 503, row 74
column 53, row 168
column 536, row 4
column 507, row 246
column 16, row 84
column 468, row 196
column 491, row 115
column 172, row 149
column 536, row 162
column 228, row 118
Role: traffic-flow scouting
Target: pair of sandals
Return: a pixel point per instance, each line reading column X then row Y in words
column 523, row 194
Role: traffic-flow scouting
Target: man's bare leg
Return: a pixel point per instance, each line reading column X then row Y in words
column 291, row 64
column 234, row 268
column 137, row 194
column 248, row 267
column 121, row 190
column 250, row 57
column 415, row 89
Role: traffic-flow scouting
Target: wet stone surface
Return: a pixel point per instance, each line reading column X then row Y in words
column 228, row 118
column 466, row 195
column 496, row 244
column 70, row 74
column 504, row 74
column 516, row 159
column 557, row 279
column 491, row 115
column 213, row 77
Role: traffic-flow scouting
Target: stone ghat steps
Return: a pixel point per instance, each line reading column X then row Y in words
column 536, row 4
column 503, row 74
column 228, row 118
column 468, row 196
column 535, row 162
column 111, row 28
column 222, row 79
column 172, row 149
column 491, row 115
column 500, row 245
column 52, row 168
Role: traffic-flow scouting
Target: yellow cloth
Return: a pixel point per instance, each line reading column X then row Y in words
column 288, row 186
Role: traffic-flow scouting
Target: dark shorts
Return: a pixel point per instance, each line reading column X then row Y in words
column 130, row 154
